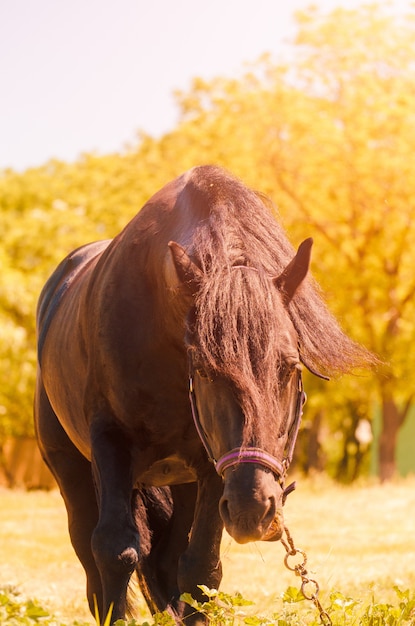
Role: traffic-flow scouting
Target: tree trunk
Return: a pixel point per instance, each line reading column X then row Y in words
column 314, row 447
column 308, row 454
column 391, row 423
column 21, row 465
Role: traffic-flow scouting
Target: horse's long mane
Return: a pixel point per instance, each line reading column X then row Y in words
column 244, row 341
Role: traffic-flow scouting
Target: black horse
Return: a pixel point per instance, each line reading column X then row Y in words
column 200, row 288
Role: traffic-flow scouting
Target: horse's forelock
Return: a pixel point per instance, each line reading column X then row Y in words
column 242, row 343
column 239, row 314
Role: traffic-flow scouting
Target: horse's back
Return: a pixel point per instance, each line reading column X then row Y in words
column 59, row 282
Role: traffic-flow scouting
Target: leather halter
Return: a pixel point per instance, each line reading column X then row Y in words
column 251, row 454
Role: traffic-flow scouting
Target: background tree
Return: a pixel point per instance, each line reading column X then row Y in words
column 328, row 135
column 350, row 175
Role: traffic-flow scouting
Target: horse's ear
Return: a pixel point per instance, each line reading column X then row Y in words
column 187, row 271
column 293, row 275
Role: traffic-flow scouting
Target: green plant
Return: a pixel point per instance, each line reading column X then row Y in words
column 159, row 619
column 14, row 610
column 223, row 609
column 383, row 614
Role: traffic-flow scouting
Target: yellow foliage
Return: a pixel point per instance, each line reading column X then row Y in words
column 329, row 136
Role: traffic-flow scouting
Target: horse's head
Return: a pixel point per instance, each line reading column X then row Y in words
column 245, row 384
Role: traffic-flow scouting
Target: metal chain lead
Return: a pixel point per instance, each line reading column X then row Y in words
column 309, row 586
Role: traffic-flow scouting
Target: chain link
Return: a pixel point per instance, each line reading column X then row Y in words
column 309, row 587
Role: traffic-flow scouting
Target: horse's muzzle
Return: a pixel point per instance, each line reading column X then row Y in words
column 252, row 514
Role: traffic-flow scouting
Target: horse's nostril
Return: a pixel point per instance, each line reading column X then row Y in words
column 270, row 512
column 224, row 510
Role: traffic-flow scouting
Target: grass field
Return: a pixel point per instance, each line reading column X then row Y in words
column 359, row 540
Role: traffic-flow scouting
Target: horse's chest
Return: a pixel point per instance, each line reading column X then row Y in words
column 168, row 471
column 166, row 448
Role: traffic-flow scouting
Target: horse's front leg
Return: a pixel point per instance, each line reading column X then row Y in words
column 115, row 540
column 200, row 564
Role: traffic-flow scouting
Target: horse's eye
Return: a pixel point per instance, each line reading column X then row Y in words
column 202, row 373
column 286, row 370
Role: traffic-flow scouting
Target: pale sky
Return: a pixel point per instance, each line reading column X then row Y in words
column 86, row 75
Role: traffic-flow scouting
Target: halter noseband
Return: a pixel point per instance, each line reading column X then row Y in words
column 250, row 454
